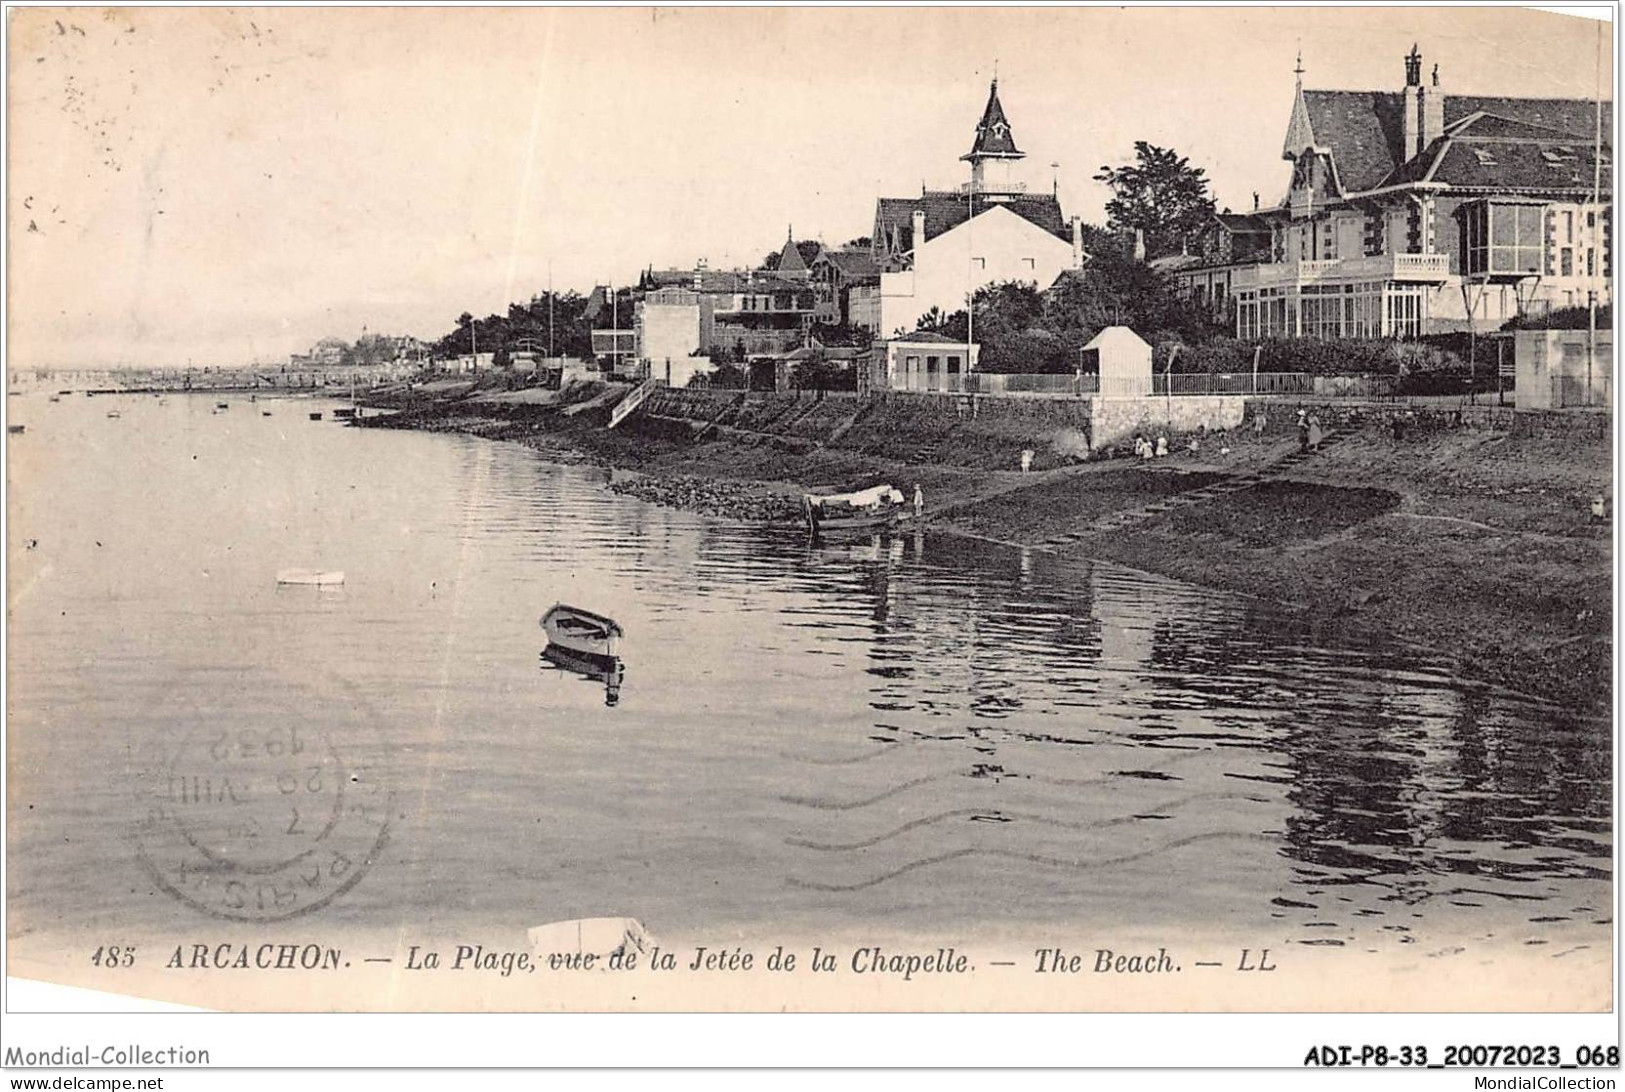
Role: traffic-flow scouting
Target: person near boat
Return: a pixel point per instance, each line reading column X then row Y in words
column 876, row 506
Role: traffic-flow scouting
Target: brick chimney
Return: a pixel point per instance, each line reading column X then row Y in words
column 1077, row 242
column 1432, row 110
column 1411, row 106
column 918, row 239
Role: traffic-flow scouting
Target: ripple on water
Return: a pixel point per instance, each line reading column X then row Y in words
column 912, row 731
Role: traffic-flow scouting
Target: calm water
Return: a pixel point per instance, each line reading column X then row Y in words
column 922, row 734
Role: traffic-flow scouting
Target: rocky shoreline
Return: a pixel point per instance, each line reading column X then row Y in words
column 1478, row 546
column 711, row 496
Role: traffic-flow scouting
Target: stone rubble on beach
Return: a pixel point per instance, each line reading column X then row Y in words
column 712, row 496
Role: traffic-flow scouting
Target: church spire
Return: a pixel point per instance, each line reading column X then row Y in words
column 993, row 137
column 790, row 259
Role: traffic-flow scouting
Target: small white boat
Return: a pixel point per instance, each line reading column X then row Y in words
column 322, row 577
column 582, row 631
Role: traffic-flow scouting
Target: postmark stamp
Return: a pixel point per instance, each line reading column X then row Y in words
column 260, row 802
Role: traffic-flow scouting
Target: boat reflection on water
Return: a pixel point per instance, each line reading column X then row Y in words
column 605, row 669
column 885, row 546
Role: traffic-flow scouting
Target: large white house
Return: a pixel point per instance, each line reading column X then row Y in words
column 936, row 249
column 1419, row 211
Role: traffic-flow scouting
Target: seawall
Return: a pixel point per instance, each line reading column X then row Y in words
column 989, row 431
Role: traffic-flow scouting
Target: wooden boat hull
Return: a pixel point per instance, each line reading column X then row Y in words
column 856, row 513
column 582, row 631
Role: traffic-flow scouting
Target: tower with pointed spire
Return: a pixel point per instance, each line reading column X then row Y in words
column 994, row 150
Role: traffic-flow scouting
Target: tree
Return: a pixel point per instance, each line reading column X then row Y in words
column 844, row 334
column 1011, row 330
column 1116, row 290
column 935, row 321
column 819, row 373
column 727, row 376
column 1161, row 194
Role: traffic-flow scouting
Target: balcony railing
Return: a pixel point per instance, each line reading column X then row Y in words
column 1411, row 267
column 1430, row 268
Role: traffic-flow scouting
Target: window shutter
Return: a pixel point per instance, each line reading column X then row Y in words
column 1608, row 242
column 1551, row 242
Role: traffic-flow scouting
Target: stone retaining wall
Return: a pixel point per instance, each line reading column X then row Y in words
column 1115, row 420
column 957, row 429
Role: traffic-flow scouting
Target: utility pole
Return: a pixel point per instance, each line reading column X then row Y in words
column 1596, row 230
column 970, row 261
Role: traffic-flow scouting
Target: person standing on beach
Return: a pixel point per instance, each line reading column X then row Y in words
column 919, row 501
column 1260, row 422
column 1314, row 432
column 1303, row 430
column 1026, row 460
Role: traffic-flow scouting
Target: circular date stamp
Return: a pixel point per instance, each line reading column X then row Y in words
column 261, row 799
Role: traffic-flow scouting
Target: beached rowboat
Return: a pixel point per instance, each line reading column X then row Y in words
column 582, row 631
column 866, row 510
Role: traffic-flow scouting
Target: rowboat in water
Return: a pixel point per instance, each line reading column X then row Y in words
column 605, row 669
column 577, row 630
column 318, row 577
column 870, row 509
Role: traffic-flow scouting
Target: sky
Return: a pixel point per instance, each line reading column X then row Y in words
column 226, row 186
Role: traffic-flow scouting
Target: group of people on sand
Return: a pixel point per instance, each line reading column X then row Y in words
column 1144, row 448
column 1310, row 436
column 1309, row 431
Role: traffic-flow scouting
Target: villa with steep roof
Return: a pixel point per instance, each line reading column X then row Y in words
column 1410, row 211
column 935, row 250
